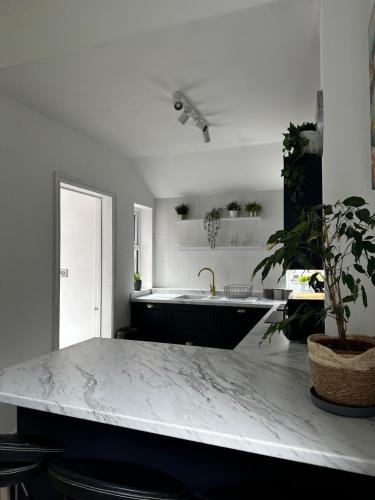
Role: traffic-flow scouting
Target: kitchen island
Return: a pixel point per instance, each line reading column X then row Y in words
column 252, row 399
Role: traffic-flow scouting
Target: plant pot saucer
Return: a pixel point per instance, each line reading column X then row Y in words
column 344, row 411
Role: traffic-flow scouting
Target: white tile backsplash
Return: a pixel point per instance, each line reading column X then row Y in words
column 179, row 268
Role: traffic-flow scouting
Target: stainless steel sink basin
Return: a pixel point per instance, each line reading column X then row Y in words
column 192, row 297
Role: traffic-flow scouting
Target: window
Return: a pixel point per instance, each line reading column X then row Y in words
column 137, row 247
column 143, row 244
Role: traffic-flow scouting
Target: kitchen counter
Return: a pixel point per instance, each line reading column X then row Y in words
column 251, row 399
column 171, row 296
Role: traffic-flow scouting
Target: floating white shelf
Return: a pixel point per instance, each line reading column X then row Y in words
column 187, row 248
column 224, row 219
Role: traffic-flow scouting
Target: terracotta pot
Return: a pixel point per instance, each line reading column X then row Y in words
column 343, row 374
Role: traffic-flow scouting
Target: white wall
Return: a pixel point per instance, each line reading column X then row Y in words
column 179, row 268
column 345, row 81
column 32, row 148
column 225, row 170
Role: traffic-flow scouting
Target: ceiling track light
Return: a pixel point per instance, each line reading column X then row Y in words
column 183, row 118
column 181, row 103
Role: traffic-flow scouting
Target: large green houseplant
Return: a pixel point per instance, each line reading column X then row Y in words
column 342, row 237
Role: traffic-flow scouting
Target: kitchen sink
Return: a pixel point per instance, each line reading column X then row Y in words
column 192, row 297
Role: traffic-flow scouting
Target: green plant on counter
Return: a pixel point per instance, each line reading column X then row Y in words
column 253, row 208
column 293, row 148
column 304, row 278
column 233, row 205
column 182, row 209
column 342, row 237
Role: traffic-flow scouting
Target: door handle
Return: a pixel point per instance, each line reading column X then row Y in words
column 285, row 312
column 150, row 306
column 241, row 311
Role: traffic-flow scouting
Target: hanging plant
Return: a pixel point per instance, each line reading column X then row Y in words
column 211, row 224
column 294, row 146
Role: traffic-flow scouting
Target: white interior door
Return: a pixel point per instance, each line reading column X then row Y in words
column 80, row 266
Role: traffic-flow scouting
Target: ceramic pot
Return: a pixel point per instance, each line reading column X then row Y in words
column 233, row 213
column 137, row 285
column 181, row 216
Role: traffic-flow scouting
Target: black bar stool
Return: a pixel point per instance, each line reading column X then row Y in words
column 109, row 480
column 21, row 458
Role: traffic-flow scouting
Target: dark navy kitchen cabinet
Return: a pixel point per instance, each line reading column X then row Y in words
column 310, row 165
column 208, row 326
column 232, row 324
column 189, row 324
column 150, row 318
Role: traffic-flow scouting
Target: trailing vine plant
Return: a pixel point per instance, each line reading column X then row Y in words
column 211, row 224
column 293, row 148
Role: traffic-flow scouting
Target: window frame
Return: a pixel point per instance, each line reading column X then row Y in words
column 137, row 240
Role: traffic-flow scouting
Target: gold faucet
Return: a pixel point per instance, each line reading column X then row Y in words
column 212, row 287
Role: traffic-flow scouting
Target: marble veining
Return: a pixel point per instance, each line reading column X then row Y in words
column 254, row 399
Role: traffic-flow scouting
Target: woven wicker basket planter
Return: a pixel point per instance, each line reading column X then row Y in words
column 343, row 377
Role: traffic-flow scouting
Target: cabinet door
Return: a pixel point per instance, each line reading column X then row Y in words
column 188, row 324
column 150, row 318
column 232, row 324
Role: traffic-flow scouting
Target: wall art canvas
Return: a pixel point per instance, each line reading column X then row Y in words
column 371, row 33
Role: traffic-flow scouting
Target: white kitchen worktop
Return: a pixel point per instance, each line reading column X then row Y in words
column 251, row 399
column 172, row 296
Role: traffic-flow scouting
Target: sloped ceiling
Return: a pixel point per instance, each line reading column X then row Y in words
column 249, row 72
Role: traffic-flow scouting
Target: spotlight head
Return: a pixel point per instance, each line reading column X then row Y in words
column 178, row 101
column 206, row 134
column 178, row 105
column 183, row 118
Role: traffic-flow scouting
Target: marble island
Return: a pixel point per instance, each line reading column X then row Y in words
column 250, row 399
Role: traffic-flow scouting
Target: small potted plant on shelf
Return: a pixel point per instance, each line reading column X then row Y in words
column 182, row 211
column 342, row 237
column 253, row 208
column 137, row 282
column 233, row 208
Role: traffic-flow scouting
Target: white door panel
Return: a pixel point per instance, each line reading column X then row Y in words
column 80, row 255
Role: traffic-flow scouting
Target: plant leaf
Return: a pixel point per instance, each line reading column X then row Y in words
column 364, row 296
column 354, row 201
column 363, row 214
column 359, row 268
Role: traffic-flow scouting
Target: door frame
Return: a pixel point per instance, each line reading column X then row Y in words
column 58, row 179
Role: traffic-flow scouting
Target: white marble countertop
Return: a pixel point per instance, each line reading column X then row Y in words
column 251, row 399
column 198, row 297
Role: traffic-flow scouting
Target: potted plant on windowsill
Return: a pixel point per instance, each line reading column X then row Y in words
column 137, row 282
column 342, row 236
column 233, row 208
column 182, row 211
column 253, row 209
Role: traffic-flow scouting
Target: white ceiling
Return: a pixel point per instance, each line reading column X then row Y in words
column 249, row 66
column 12, row 7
